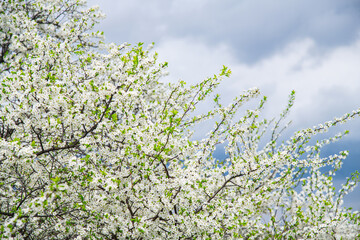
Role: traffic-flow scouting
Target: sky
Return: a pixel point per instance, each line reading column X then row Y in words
column 312, row 47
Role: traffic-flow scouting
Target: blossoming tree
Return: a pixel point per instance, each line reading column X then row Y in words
column 94, row 146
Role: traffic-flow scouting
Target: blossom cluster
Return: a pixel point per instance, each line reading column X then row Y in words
column 94, row 146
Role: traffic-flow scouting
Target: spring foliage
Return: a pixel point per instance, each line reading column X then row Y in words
column 94, row 146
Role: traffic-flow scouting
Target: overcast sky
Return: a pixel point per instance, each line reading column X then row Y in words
column 310, row 46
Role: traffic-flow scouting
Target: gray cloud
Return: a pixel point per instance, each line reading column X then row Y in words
column 254, row 29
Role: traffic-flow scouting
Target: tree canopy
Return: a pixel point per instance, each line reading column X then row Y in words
column 94, row 146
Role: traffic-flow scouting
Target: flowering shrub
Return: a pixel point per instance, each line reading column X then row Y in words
column 94, row 146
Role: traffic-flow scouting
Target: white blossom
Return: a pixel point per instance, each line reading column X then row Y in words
column 94, row 146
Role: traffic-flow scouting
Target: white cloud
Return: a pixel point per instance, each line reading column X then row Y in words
column 327, row 84
column 191, row 60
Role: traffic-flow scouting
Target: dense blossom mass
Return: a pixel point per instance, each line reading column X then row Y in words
column 94, row 146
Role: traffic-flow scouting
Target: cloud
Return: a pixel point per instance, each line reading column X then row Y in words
column 327, row 83
column 193, row 60
column 254, row 29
